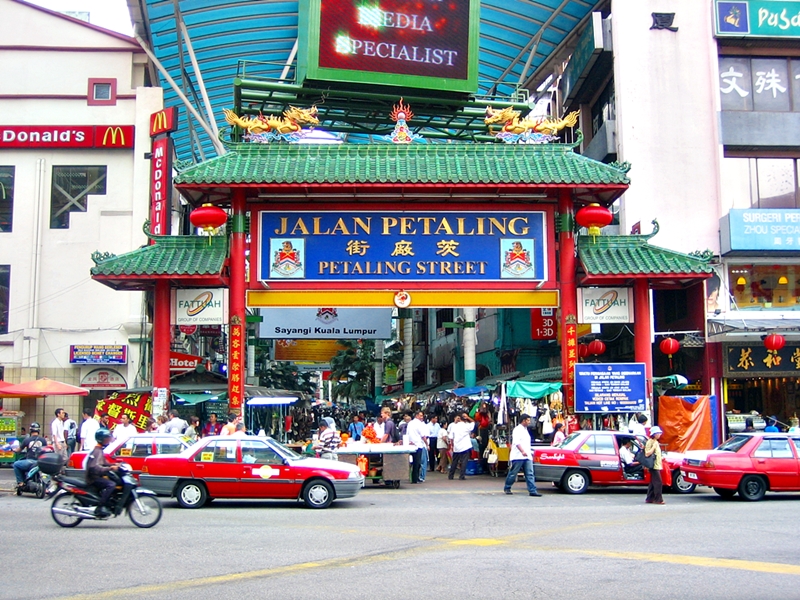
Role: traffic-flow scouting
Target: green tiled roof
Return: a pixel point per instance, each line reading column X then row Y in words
column 632, row 255
column 170, row 255
column 409, row 164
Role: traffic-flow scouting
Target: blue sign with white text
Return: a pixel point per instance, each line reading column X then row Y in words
column 403, row 246
column 760, row 229
column 610, row 387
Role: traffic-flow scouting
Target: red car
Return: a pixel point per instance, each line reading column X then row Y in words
column 133, row 451
column 592, row 458
column 248, row 467
column 750, row 464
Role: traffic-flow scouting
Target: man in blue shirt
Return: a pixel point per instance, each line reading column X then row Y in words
column 355, row 428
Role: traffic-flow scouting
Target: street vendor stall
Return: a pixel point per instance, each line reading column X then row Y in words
column 384, row 462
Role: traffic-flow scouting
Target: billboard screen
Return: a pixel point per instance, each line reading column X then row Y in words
column 425, row 43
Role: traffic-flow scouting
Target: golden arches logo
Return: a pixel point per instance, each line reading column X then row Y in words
column 605, row 302
column 114, row 132
column 200, row 303
column 159, row 123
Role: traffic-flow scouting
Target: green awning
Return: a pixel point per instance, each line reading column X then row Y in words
column 192, row 399
column 530, row 389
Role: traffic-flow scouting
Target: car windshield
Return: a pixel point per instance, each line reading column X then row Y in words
column 572, row 441
column 287, row 452
column 734, row 444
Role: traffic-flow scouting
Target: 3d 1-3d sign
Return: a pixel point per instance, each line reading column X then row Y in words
column 424, row 44
column 398, row 247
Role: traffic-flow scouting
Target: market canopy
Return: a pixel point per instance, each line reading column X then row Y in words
column 43, row 387
column 192, row 399
column 531, row 389
column 469, row 391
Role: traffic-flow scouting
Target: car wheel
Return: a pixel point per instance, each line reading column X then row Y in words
column 680, row 485
column 575, row 482
column 318, row 494
column 725, row 492
column 752, row 488
column 191, row 494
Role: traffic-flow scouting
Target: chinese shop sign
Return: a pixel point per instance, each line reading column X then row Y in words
column 424, row 44
column 236, row 365
column 754, row 360
column 137, row 406
column 396, row 247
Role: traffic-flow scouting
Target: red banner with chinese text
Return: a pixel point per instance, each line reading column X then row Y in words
column 236, row 365
column 137, row 406
column 570, row 341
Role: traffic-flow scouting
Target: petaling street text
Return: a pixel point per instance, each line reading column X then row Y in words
column 516, row 226
column 403, row 267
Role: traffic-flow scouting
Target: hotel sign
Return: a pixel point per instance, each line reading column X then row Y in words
column 66, row 136
column 399, row 247
column 758, row 18
column 425, row 44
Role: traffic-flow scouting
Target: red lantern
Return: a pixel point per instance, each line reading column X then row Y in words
column 583, row 350
column 774, row 342
column 594, row 217
column 208, row 217
column 669, row 346
column 596, row 347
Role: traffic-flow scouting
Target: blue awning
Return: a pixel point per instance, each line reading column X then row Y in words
column 469, row 391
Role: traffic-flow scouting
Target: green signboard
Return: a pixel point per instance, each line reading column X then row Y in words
column 431, row 44
column 758, row 18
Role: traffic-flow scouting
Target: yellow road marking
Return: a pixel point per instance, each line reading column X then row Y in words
column 477, row 542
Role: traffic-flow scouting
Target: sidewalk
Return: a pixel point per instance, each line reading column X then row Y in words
column 7, row 479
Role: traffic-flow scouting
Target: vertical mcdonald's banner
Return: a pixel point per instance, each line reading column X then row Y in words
column 162, row 123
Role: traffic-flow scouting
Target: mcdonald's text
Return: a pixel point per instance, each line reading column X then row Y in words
column 66, row 136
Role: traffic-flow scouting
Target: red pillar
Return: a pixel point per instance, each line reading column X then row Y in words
column 569, row 296
column 162, row 336
column 642, row 348
column 236, row 302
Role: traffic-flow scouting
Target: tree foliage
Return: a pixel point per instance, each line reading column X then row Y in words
column 286, row 376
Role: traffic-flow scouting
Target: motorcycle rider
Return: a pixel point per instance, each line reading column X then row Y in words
column 98, row 466
column 33, row 446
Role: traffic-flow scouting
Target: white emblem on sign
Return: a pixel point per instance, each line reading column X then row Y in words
column 266, row 472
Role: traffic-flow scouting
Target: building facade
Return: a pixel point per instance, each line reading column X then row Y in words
column 75, row 179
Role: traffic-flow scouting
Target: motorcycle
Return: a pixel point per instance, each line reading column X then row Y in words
column 75, row 501
column 36, row 482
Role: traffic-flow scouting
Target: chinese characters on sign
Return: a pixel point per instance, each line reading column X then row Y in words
column 756, row 360
column 760, row 229
column 236, row 365
column 663, row 21
column 570, row 339
column 138, row 407
column 760, row 84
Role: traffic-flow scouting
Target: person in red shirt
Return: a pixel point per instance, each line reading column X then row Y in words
column 484, row 423
column 213, row 427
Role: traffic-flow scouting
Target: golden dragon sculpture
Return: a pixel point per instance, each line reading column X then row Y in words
column 291, row 122
column 512, row 124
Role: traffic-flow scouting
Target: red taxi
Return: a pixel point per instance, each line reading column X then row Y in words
column 133, row 451
column 588, row 457
column 750, row 464
column 248, row 467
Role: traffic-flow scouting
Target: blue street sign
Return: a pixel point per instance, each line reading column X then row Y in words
column 610, row 388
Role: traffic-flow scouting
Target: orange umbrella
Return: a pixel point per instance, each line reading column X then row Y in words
column 43, row 387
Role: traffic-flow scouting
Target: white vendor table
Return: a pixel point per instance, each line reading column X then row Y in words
column 387, row 461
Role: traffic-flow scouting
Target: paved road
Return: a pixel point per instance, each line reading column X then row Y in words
column 442, row 539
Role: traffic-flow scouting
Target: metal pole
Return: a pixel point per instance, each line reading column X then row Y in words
column 199, row 75
column 408, row 354
column 378, row 368
column 469, row 347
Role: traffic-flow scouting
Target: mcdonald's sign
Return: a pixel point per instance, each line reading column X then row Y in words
column 164, row 121
column 160, row 185
column 114, row 136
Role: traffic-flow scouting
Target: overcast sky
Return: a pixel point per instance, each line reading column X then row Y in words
column 111, row 14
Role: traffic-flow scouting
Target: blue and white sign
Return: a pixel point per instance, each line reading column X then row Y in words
column 760, row 229
column 395, row 246
column 610, row 388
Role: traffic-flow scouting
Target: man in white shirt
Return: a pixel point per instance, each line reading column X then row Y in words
column 125, row 429
column 417, row 432
column 521, row 457
column 462, row 444
column 88, row 428
column 433, row 435
column 57, row 433
column 636, row 425
column 176, row 425
column 630, row 466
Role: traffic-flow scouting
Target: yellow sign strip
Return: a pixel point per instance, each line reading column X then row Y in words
column 419, row 298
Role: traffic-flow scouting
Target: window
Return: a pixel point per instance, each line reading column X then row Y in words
column 605, row 109
column 138, row 446
column 757, row 287
column 168, row 446
column 773, row 449
column 599, row 444
column 258, row 453
column 5, row 284
column 218, row 451
column 102, row 92
column 71, row 187
column 6, row 198
column 444, row 315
